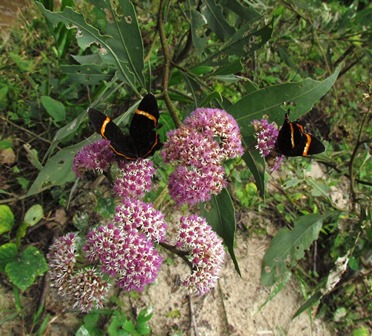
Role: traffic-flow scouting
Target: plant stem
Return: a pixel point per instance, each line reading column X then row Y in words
column 167, row 63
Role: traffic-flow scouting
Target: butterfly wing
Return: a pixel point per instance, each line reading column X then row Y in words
column 120, row 143
column 294, row 141
column 143, row 127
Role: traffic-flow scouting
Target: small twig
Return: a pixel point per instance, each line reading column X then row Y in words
column 167, row 63
column 353, row 155
column 330, row 165
column 194, row 326
column 26, row 130
column 223, row 306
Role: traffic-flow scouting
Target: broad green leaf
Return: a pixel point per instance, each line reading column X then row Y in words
column 221, row 216
column 34, row 215
column 23, row 271
column 289, row 246
column 241, row 44
column 54, row 108
column 57, row 170
column 121, row 46
column 269, row 101
column 197, row 23
column 6, row 218
column 245, row 11
column 88, row 74
column 8, row 252
column 216, row 20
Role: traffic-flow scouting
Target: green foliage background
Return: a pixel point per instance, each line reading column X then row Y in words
column 252, row 60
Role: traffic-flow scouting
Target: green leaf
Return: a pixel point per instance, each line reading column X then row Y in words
column 144, row 317
column 23, row 271
column 34, row 215
column 33, row 156
column 309, row 303
column 270, row 101
column 216, row 21
column 256, row 164
column 3, row 96
column 289, row 246
column 54, row 108
column 88, row 74
column 22, row 64
column 241, row 44
column 221, row 216
column 278, row 288
column 57, row 170
column 197, row 23
column 6, row 218
column 8, row 252
column 122, row 44
column 245, row 11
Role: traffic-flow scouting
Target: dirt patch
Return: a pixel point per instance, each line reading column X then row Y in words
column 233, row 307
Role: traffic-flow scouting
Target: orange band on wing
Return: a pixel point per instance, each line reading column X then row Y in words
column 147, row 115
column 103, row 127
column 308, row 143
column 292, row 135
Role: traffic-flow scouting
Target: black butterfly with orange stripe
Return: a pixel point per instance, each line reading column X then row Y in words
column 142, row 140
column 294, row 141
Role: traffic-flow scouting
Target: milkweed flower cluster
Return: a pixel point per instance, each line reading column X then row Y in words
column 267, row 134
column 135, row 178
column 95, row 156
column 124, row 251
column 85, row 288
column 137, row 215
column 206, row 138
column 127, row 256
column 206, row 253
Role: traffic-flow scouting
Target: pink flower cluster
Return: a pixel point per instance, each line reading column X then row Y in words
column 127, row 256
column 135, row 178
column 95, row 156
column 267, row 135
column 137, row 215
column 206, row 250
column 84, row 289
column 207, row 137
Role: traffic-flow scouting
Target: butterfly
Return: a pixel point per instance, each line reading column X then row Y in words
column 294, row 141
column 142, row 140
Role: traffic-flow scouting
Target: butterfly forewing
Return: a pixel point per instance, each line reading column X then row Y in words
column 142, row 140
column 120, row 143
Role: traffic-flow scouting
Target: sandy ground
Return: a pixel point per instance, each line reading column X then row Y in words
column 233, row 307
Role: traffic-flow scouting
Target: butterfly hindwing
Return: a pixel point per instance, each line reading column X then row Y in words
column 294, row 141
column 143, row 126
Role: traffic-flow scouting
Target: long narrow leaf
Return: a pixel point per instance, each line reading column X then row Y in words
column 289, row 246
column 221, row 216
column 270, row 100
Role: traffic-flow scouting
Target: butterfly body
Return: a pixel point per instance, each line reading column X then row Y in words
column 142, row 140
column 294, row 141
